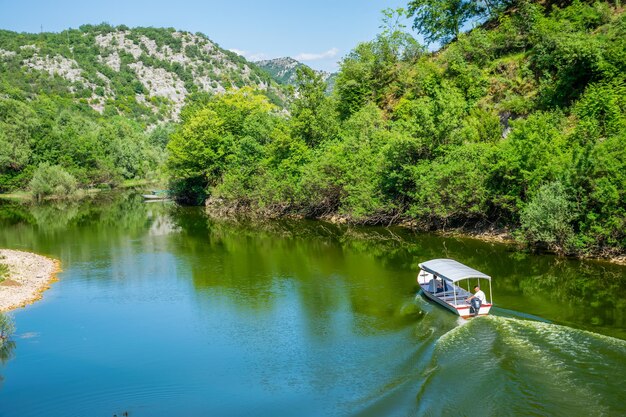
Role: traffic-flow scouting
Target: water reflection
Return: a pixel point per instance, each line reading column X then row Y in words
column 251, row 261
column 162, row 310
column 588, row 294
column 371, row 267
column 6, row 351
column 7, row 348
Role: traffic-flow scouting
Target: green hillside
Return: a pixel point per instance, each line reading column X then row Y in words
column 284, row 71
column 99, row 100
column 518, row 125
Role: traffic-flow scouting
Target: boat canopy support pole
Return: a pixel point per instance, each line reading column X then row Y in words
column 454, row 290
column 490, row 293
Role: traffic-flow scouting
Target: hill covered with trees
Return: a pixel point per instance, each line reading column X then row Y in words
column 518, row 124
column 284, row 71
column 98, row 102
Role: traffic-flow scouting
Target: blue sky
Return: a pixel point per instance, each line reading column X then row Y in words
column 317, row 32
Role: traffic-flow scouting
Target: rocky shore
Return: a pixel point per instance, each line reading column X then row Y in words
column 28, row 277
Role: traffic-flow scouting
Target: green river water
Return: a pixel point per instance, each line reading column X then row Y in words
column 162, row 311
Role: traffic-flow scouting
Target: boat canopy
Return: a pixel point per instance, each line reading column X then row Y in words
column 451, row 270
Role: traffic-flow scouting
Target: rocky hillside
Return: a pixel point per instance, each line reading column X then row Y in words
column 283, row 70
column 140, row 72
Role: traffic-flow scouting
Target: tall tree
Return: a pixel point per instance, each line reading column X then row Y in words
column 372, row 72
column 18, row 123
column 202, row 147
column 443, row 20
column 313, row 116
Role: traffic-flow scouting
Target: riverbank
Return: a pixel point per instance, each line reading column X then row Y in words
column 221, row 209
column 28, row 277
column 27, row 196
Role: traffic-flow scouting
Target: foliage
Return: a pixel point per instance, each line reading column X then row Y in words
column 452, row 189
column 98, row 108
column 18, row 123
column 52, row 130
column 7, row 327
column 443, row 20
column 313, row 114
column 568, row 58
column 208, row 141
column 372, row 71
column 547, row 219
column 51, row 180
column 518, row 124
column 533, row 154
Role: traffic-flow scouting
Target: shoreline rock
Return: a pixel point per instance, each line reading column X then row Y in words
column 29, row 276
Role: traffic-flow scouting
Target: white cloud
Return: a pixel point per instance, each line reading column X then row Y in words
column 306, row 56
column 238, row 51
column 258, row 56
column 250, row 56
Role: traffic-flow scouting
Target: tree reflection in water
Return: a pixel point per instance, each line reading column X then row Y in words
column 584, row 293
column 373, row 267
column 7, row 345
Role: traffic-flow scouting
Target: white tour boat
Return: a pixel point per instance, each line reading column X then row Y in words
column 157, row 195
column 441, row 280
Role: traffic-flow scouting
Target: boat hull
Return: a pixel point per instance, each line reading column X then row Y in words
column 152, row 197
column 462, row 310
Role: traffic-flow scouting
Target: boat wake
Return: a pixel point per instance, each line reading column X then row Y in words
column 522, row 367
column 508, row 365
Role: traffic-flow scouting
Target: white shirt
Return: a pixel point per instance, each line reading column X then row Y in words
column 481, row 295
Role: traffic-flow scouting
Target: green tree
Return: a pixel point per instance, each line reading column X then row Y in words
column 342, row 175
column 547, row 219
column 197, row 153
column 313, row 116
column 443, row 20
column 52, row 180
column 533, row 154
column 203, row 146
column 452, row 189
column 434, row 116
column 372, row 72
column 126, row 148
column 18, row 124
column 286, row 160
column 353, row 85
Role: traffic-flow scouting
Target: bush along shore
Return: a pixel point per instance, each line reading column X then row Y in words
column 24, row 276
column 518, row 125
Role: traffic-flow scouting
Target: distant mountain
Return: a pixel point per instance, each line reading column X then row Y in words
column 283, row 70
column 145, row 73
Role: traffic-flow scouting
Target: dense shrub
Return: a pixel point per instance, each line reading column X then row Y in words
column 533, row 154
column 52, row 180
column 452, row 189
column 547, row 219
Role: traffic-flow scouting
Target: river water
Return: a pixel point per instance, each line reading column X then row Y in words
column 163, row 311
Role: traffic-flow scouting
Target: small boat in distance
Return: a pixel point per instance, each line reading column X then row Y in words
column 441, row 280
column 157, row 195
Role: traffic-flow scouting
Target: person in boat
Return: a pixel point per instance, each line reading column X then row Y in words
column 436, row 284
column 476, row 300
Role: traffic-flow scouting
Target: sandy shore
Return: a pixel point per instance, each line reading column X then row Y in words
column 29, row 276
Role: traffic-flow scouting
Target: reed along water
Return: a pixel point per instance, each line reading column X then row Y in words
column 162, row 310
